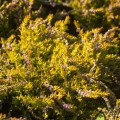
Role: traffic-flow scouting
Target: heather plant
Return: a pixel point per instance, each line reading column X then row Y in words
column 54, row 75
column 47, row 73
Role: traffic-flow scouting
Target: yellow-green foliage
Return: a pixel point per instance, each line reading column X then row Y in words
column 57, row 74
column 48, row 73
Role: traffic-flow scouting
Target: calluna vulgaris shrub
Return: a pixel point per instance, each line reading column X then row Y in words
column 46, row 73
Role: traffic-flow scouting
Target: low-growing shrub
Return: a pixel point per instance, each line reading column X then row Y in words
column 51, row 70
column 54, row 75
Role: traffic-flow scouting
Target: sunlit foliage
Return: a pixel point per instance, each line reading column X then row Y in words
column 47, row 73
